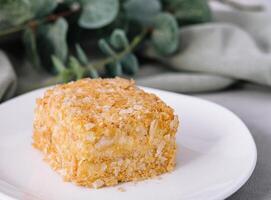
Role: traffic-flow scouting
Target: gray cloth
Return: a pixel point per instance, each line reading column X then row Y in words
column 155, row 76
column 7, row 78
column 212, row 56
column 236, row 46
column 253, row 105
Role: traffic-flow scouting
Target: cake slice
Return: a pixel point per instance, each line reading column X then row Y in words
column 99, row 132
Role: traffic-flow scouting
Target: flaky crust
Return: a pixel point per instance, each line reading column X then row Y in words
column 98, row 132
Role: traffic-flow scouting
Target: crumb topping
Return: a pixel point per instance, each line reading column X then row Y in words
column 98, row 132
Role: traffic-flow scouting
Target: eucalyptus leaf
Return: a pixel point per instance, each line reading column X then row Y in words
column 58, row 65
column 81, row 55
column 190, row 11
column 105, row 48
column 42, row 7
column 30, row 45
column 114, row 69
column 51, row 40
column 71, row 1
column 76, row 67
column 14, row 12
column 165, row 34
column 130, row 64
column 98, row 13
column 118, row 39
column 141, row 10
column 64, row 74
column 92, row 72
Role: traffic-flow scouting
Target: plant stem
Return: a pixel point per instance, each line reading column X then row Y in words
column 58, row 79
column 135, row 42
column 12, row 30
column 36, row 22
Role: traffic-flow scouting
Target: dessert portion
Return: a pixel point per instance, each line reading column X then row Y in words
column 99, row 132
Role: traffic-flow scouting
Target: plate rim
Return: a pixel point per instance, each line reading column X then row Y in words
column 229, row 191
column 222, row 195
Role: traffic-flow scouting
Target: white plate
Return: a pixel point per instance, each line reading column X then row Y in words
column 216, row 156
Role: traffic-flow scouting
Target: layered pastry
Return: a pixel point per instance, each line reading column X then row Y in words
column 100, row 132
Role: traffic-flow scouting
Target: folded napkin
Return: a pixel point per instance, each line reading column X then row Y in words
column 7, row 78
column 212, row 56
column 235, row 46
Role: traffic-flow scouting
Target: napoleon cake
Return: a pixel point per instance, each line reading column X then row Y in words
column 100, row 132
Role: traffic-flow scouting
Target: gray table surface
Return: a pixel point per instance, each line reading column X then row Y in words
column 253, row 105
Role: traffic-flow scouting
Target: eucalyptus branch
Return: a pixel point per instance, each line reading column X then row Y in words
column 12, row 30
column 36, row 22
column 135, row 42
column 51, row 40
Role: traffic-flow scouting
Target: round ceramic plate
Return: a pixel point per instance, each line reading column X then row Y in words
column 216, row 156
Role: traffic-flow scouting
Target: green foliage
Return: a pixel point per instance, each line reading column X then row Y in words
column 92, row 72
column 113, row 69
column 51, row 40
column 105, row 47
column 41, row 8
column 123, row 61
column 29, row 40
column 190, row 11
column 118, row 39
column 14, row 12
column 59, row 66
column 141, row 10
column 76, row 68
column 98, row 13
column 82, row 57
column 74, row 71
column 48, row 25
column 71, row 1
column 64, row 74
column 130, row 64
column 165, row 37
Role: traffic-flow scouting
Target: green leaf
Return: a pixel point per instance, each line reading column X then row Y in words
column 64, row 74
column 59, row 66
column 141, row 10
column 51, row 40
column 92, row 72
column 29, row 41
column 98, row 13
column 118, row 39
column 165, row 34
column 71, row 1
column 190, row 11
column 130, row 64
column 42, row 7
column 105, row 48
column 81, row 55
column 114, row 69
column 76, row 68
column 14, row 12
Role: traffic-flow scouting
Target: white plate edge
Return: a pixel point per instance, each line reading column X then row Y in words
column 220, row 196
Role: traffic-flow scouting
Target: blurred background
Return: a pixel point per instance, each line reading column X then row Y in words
column 190, row 46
